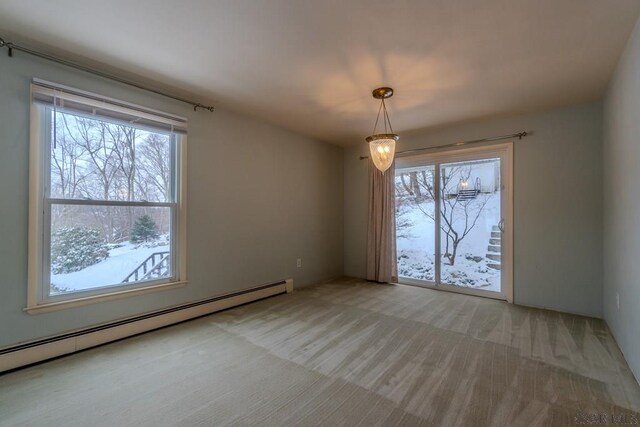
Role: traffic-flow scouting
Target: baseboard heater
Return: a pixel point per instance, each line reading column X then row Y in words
column 36, row 351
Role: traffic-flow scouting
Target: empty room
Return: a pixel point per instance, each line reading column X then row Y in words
column 319, row 213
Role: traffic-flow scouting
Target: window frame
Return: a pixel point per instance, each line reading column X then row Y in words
column 40, row 205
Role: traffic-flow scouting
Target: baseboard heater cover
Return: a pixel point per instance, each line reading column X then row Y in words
column 58, row 345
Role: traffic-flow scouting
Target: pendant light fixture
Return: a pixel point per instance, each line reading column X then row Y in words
column 382, row 145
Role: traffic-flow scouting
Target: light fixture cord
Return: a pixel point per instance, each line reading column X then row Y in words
column 385, row 118
column 377, row 118
column 386, row 115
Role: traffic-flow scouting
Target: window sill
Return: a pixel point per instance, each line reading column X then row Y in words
column 78, row 302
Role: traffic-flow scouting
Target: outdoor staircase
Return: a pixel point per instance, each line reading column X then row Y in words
column 154, row 267
column 494, row 251
column 469, row 194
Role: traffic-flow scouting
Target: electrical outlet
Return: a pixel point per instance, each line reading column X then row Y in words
column 299, row 262
column 618, row 301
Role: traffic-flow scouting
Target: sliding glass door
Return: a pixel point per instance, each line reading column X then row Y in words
column 453, row 220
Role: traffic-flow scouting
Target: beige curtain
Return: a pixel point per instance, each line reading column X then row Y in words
column 381, row 238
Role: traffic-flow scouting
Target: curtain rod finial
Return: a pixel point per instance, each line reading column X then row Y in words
column 205, row 107
column 9, row 46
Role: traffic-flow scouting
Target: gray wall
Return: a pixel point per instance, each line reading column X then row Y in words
column 622, row 202
column 557, row 203
column 259, row 197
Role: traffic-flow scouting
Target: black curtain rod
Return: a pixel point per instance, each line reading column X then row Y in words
column 518, row 135
column 12, row 46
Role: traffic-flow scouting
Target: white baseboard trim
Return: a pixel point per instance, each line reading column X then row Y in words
column 43, row 349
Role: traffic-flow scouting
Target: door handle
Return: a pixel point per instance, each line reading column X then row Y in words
column 501, row 225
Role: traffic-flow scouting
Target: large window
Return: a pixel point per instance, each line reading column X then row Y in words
column 107, row 212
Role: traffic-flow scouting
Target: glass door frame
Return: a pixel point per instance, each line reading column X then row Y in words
column 436, row 158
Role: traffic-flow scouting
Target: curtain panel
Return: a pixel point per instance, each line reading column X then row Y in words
column 381, row 237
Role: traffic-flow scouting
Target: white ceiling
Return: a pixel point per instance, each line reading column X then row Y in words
column 310, row 65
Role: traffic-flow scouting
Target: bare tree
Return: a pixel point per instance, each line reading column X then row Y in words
column 123, row 140
column 458, row 216
column 99, row 167
column 453, row 209
column 65, row 176
column 92, row 137
column 154, row 170
column 98, row 160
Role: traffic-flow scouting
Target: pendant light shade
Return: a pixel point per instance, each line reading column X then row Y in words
column 382, row 146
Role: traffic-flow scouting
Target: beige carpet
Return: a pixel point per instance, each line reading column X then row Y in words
column 340, row 353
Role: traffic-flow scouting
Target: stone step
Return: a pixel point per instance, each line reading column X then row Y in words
column 496, row 234
column 494, row 256
column 494, row 241
column 494, row 266
column 495, row 228
column 493, row 248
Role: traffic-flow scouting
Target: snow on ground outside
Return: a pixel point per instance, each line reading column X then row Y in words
column 112, row 271
column 416, row 253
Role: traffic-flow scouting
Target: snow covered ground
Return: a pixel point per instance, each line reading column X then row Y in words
column 416, row 252
column 112, row 271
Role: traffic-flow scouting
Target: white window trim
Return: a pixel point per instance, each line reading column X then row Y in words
column 35, row 302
